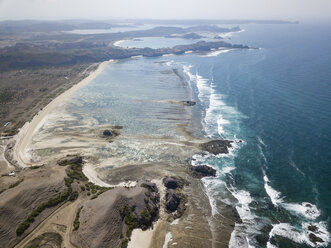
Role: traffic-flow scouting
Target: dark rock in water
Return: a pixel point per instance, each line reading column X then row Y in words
column 201, row 171
column 313, row 238
column 118, row 127
column 110, row 133
column 266, row 229
column 106, row 133
column 216, row 146
column 172, row 201
column 188, row 103
column 262, row 239
column 173, row 182
column 149, row 186
column 313, row 228
column 78, row 160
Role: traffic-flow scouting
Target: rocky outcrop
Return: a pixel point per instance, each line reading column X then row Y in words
column 174, row 182
column 150, row 186
column 188, row 103
column 110, row 133
column 175, row 200
column 77, row 160
column 201, row 171
column 314, row 232
column 315, row 239
column 216, row 146
column 172, row 201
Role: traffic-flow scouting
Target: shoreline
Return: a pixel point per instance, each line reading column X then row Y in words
column 24, row 136
column 163, row 228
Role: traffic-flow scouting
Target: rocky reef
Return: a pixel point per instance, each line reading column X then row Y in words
column 201, row 171
column 216, row 146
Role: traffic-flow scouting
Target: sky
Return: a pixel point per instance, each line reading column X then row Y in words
column 166, row 9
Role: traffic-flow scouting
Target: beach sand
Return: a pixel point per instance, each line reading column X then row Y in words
column 24, row 137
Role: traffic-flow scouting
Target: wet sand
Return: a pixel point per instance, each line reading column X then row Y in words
column 24, row 137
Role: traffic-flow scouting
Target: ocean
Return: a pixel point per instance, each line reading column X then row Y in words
column 277, row 100
column 274, row 101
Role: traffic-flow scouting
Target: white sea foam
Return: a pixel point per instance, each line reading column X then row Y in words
column 275, row 196
column 288, row 231
column 305, row 209
column 238, row 238
column 262, row 154
column 261, row 141
column 227, row 169
column 296, row 167
column 321, row 232
column 211, row 186
column 214, row 120
column 169, row 63
column 300, row 236
column 244, row 199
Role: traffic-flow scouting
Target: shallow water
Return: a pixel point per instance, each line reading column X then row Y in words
column 276, row 99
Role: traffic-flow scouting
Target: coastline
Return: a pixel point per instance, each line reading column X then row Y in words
column 196, row 218
column 24, row 136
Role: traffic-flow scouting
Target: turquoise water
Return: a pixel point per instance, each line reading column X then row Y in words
column 276, row 99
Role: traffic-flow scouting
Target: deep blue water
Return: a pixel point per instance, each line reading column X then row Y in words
column 278, row 100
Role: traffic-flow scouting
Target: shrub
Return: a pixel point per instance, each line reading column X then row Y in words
column 50, row 203
column 73, row 196
column 76, row 221
column 15, row 184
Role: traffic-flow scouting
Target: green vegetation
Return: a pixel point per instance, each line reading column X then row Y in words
column 34, row 167
column 50, row 203
column 146, row 216
column 125, row 243
column 46, row 239
column 75, row 171
column 68, row 181
column 95, row 189
column 73, row 196
column 76, row 221
column 130, row 219
column 98, row 191
column 15, row 184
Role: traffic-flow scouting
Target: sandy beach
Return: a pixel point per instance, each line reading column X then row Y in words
column 117, row 43
column 24, row 137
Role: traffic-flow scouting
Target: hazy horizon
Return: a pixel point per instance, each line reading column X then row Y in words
column 296, row 10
